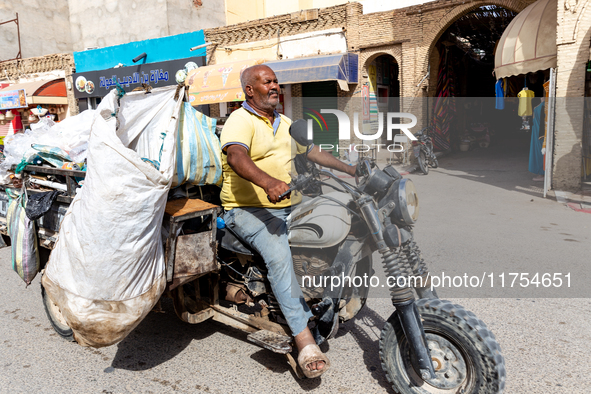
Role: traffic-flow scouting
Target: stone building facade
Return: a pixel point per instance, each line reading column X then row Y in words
column 43, row 67
column 70, row 26
column 409, row 36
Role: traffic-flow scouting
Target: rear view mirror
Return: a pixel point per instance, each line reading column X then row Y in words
column 299, row 132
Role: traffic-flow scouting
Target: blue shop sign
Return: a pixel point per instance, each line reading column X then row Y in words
column 98, row 83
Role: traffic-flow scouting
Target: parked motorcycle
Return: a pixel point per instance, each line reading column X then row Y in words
column 427, row 345
column 423, row 150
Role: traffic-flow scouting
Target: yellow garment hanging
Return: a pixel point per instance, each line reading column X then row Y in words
column 525, row 97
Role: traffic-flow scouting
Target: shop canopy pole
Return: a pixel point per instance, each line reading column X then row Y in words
column 550, row 132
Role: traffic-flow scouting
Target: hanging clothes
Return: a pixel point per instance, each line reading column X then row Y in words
column 500, row 94
column 525, row 97
column 536, row 159
column 445, row 108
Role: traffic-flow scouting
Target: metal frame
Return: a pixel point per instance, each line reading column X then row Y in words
column 175, row 222
column 550, row 133
column 69, row 174
column 18, row 34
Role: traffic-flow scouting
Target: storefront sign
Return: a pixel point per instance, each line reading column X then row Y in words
column 98, row 83
column 13, row 99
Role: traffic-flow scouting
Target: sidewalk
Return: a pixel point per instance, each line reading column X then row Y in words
column 579, row 201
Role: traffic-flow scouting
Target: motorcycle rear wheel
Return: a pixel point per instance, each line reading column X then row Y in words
column 434, row 163
column 422, row 159
column 466, row 356
column 55, row 317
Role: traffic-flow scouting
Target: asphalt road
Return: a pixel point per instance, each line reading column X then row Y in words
column 479, row 212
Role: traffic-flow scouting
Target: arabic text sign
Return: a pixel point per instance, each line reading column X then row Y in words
column 98, row 83
column 13, row 99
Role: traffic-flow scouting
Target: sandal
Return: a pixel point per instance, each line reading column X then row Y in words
column 309, row 354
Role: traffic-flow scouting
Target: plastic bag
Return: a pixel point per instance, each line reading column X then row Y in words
column 39, row 203
column 199, row 152
column 23, row 237
column 71, row 133
column 107, row 269
column 52, row 154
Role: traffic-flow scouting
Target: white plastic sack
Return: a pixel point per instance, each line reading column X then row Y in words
column 107, row 270
column 74, row 130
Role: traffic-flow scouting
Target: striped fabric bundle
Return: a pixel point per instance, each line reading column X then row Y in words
column 25, row 252
column 198, row 159
column 444, row 109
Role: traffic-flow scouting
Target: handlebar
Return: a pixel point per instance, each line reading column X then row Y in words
column 283, row 195
column 301, row 181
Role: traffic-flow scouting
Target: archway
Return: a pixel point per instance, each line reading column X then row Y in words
column 462, row 64
column 381, row 89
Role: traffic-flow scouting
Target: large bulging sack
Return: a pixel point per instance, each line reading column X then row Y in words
column 107, row 269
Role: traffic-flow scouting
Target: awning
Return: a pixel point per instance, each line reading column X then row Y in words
column 342, row 67
column 42, row 92
column 528, row 44
column 218, row 83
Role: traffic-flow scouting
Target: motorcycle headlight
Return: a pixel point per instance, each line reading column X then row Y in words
column 406, row 198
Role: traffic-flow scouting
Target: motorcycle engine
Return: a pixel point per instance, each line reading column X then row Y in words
column 310, row 263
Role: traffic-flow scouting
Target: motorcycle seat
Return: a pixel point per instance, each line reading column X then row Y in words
column 231, row 242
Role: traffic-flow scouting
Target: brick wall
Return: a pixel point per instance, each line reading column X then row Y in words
column 214, row 110
column 573, row 40
column 263, row 29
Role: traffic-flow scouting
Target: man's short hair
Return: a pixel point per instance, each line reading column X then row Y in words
column 248, row 76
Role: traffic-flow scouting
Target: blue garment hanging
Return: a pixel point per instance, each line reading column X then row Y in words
column 500, row 101
column 536, row 159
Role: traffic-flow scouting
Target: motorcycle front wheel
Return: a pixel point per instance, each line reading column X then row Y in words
column 422, row 159
column 465, row 354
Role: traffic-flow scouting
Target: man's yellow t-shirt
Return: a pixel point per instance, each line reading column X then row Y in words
column 270, row 147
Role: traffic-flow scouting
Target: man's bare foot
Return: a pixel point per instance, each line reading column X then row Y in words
column 304, row 339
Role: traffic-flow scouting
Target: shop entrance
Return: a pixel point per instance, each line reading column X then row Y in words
column 462, row 65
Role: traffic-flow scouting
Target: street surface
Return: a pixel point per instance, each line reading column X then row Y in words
column 479, row 210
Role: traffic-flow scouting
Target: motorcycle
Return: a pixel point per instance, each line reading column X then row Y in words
column 427, row 345
column 423, row 151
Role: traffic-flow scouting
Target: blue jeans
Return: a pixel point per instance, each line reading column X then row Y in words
column 265, row 230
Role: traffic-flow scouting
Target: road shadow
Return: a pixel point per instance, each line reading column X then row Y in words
column 278, row 364
column 503, row 165
column 162, row 336
column 369, row 344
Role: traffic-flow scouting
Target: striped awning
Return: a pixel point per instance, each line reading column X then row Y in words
column 528, row 44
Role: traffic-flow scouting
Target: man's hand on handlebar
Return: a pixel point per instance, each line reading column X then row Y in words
column 275, row 188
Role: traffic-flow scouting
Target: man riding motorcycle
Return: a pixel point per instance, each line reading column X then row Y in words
column 257, row 160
